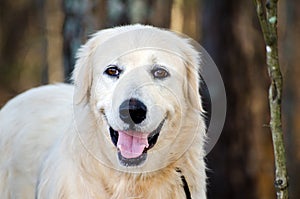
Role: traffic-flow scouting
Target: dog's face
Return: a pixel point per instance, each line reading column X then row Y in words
column 138, row 95
column 142, row 96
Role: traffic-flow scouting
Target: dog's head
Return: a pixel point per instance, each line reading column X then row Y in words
column 141, row 83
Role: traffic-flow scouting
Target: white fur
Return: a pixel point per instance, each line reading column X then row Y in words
column 54, row 140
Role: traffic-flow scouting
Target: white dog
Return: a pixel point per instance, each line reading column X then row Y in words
column 131, row 126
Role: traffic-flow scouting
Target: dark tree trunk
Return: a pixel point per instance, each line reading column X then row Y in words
column 161, row 13
column 117, row 13
column 154, row 12
column 229, row 160
column 74, row 30
column 44, row 43
column 138, row 11
column 11, row 40
column 291, row 95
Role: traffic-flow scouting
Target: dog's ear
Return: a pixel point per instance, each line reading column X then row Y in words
column 192, row 63
column 82, row 74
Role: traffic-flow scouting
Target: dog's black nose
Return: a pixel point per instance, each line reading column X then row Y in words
column 132, row 111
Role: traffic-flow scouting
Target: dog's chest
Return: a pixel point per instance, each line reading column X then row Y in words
column 155, row 187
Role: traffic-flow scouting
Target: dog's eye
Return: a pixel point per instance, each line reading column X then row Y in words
column 113, row 71
column 160, row 73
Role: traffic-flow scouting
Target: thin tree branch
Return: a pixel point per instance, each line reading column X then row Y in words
column 268, row 20
column 262, row 18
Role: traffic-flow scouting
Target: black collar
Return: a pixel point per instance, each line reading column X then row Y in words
column 185, row 185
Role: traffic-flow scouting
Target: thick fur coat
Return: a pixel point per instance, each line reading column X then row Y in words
column 68, row 141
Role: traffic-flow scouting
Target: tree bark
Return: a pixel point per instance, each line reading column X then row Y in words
column 268, row 20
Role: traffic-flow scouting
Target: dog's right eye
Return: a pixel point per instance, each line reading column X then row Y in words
column 113, row 71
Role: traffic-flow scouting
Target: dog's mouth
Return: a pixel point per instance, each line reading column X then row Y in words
column 133, row 146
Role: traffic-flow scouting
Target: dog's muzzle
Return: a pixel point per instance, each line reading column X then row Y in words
column 133, row 145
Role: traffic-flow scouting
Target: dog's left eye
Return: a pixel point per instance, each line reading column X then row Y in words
column 113, row 71
column 160, row 73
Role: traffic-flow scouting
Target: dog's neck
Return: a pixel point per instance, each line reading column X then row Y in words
column 147, row 185
column 170, row 182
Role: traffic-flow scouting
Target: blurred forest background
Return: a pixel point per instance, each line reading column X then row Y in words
column 38, row 40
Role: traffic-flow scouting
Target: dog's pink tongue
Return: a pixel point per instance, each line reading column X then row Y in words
column 132, row 145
